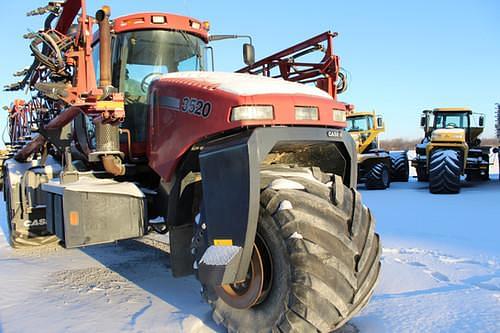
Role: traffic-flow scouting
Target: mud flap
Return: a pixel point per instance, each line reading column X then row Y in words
column 180, row 243
column 231, row 198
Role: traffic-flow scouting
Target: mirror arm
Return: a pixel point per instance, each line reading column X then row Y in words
column 214, row 38
column 212, row 56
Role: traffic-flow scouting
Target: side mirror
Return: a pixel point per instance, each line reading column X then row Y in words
column 248, row 54
column 481, row 121
column 423, row 121
column 380, row 122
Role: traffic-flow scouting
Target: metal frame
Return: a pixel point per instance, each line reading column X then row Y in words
column 324, row 73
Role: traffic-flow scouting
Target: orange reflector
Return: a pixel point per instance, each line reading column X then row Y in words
column 107, row 10
column 73, row 218
column 206, row 25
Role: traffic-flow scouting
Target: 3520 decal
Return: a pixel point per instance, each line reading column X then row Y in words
column 196, row 107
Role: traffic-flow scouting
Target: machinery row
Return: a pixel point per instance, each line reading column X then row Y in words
column 451, row 148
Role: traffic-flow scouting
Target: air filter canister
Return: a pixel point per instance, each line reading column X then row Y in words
column 107, row 138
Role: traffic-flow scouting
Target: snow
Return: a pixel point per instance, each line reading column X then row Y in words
column 219, row 255
column 284, row 205
column 441, row 259
column 440, row 273
column 285, row 184
column 247, row 84
column 296, row 235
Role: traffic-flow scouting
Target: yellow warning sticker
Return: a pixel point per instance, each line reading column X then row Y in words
column 223, row 242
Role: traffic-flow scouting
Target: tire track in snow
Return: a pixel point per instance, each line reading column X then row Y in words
column 489, row 281
column 139, row 313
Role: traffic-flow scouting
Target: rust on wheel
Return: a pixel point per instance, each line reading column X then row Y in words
column 252, row 291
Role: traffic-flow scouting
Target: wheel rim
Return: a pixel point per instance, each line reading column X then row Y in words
column 257, row 284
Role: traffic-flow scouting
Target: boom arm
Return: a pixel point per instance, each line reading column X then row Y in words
column 70, row 11
column 324, row 73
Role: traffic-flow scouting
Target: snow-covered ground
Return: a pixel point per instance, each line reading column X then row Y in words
column 441, row 273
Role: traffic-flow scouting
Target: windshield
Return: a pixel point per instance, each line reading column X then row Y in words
column 451, row 120
column 141, row 56
column 358, row 124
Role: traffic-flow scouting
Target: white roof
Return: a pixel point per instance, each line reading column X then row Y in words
column 249, row 84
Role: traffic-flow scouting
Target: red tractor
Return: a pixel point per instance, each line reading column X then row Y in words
column 253, row 177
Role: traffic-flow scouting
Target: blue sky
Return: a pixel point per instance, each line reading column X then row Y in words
column 402, row 56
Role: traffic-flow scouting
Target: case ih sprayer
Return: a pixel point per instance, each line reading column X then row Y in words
column 253, row 176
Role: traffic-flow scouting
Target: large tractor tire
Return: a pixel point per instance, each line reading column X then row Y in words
column 444, row 171
column 400, row 169
column 378, row 177
column 316, row 254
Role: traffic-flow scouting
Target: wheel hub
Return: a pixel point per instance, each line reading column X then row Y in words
column 255, row 287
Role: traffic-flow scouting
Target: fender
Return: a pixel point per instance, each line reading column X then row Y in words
column 231, row 194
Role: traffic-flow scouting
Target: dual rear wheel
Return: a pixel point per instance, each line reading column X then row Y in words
column 378, row 177
column 400, row 168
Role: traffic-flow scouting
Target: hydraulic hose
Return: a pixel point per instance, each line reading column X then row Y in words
column 113, row 165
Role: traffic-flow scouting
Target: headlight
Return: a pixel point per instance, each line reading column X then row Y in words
column 339, row 115
column 195, row 25
column 306, row 113
column 252, row 112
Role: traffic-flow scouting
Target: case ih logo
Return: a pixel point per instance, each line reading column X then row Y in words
column 190, row 105
column 334, row 134
column 35, row 223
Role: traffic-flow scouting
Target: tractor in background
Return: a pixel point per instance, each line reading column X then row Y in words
column 253, row 177
column 450, row 148
column 376, row 167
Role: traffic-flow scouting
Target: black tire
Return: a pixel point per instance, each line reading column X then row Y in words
column 400, row 169
column 324, row 252
column 444, row 171
column 378, row 177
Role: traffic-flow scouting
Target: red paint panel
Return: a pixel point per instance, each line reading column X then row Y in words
column 143, row 21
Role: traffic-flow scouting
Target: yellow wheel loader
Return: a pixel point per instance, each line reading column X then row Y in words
column 376, row 167
column 451, row 148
